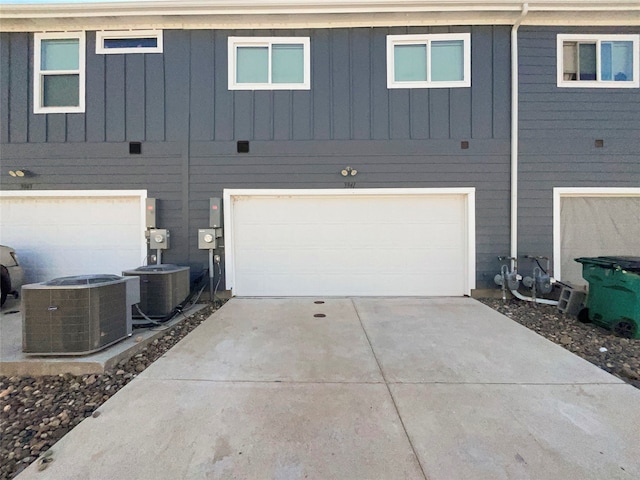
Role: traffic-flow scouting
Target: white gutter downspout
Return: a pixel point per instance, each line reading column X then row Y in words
column 514, row 133
column 514, row 152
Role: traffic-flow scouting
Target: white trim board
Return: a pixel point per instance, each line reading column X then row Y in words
column 305, row 14
column 468, row 192
column 564, row 192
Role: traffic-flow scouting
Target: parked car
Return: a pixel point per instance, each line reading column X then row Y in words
column 11, row 273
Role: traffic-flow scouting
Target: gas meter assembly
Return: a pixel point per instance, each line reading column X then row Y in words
column 539, row 283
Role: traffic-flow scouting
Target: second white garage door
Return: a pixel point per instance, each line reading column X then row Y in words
column 590, row 222
column 350, row 242
column 76, row 232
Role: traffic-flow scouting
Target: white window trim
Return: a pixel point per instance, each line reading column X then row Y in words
column 235, row 42
column 393, row 40
column 597, row 39
column 37, row 73
column 103, row 35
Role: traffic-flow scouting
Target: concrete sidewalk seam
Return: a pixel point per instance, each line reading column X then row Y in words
column 285, row 382
column 393, row 400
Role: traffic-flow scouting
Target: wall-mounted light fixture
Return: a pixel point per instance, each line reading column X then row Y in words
column 20, row 173
column 349, row 171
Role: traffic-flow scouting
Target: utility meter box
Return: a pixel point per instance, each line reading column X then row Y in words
column 150, row 212
column 206, row 238
column 215, row 212
column 159, row 238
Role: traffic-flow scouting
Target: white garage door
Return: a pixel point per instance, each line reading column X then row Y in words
column 595, row 222
column 60, row 233
column 350, row 242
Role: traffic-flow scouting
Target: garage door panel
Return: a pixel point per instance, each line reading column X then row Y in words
column 364, row 260
column 357, row 285
column 350, row 245
column 308, row 210
column 355, row 235
column 434, row 260
column 284, row 236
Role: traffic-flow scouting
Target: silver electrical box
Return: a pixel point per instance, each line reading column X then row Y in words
column 150, row 213
column 159, row 238
column 207, row 238
column 215, row 212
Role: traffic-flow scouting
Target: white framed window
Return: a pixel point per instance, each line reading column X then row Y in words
column 129, row 41
column 59, row 72
column 429, row 61
column 598, row 61
column 269, row 63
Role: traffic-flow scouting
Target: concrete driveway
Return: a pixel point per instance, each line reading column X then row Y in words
column 396, row 388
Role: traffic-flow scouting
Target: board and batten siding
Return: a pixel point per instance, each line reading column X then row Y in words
column 178, row 105
column 558, row 130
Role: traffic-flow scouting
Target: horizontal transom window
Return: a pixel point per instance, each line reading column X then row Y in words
column 129, row 41
column 429, row 61
column 59, row 72
column 269, row 63
column 598, row 61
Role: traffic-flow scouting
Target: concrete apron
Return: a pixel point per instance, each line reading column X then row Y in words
column 395, row 388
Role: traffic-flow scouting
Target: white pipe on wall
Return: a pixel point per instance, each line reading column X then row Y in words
column 542, row 301
column 514, row 133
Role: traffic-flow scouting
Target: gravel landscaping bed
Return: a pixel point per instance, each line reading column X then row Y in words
column 36, row 412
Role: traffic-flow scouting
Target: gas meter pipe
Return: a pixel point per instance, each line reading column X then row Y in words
column 543, row 301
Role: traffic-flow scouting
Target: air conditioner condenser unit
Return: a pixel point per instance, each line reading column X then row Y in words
column 162, row 288
column 77, row 315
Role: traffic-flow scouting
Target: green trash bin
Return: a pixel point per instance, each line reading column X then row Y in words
column 613, row 301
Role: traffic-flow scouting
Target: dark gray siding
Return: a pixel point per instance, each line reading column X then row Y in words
column 177, row 103
column 558, row 129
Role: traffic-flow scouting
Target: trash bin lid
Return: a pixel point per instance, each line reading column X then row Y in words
column 630, row 264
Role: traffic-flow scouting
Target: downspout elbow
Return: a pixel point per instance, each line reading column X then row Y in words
column 523, row 13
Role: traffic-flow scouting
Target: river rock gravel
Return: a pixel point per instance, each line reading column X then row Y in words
column 36, row 412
